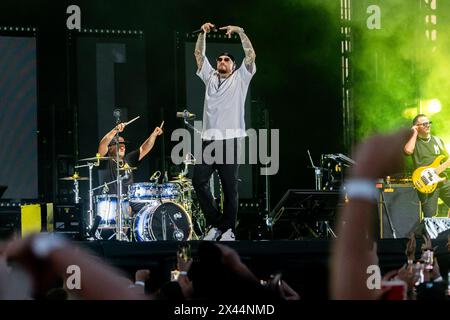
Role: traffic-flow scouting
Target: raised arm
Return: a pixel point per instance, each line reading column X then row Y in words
column 149, row 143
column 106, row 140
column 377, row 157
column 411, row 144
column 250, row 55
column 45, row 257
column 200, row 46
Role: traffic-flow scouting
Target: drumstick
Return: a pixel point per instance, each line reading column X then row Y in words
column 132, row 120
column 162, row 124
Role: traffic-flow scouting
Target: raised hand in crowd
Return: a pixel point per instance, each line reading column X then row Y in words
column 378, row 156
column 411, row 248
column 47, row 257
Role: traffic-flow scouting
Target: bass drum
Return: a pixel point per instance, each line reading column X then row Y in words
column 166, row 221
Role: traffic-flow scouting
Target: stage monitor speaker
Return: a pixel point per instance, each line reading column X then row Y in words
column 9, row 222
column 401, row 204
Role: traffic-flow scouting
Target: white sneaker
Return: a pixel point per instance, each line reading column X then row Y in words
column 228, row 236
column 212, row 234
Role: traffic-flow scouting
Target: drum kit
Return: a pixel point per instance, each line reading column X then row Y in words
column 166, row 211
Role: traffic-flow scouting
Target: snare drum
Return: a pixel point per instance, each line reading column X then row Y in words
column 106, row 208
column 143, row 192
column 170, row 191
column 166, row 221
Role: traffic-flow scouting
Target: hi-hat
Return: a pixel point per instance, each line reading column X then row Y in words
column 95, row 159
column 180, row 180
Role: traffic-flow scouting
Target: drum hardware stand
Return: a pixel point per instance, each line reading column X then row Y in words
column 317, row 173
column 76, row 191
column 267, row 218
column 90, row 165
column 318, row 179
column 164, row 226
column 119, row 227
column 103, row 186
column 190, row 160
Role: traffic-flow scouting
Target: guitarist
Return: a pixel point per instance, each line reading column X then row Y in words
column 424, row 148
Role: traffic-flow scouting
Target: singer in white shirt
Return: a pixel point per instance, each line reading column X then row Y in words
column 226, row 89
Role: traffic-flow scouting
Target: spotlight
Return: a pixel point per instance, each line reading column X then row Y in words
column 430, row 106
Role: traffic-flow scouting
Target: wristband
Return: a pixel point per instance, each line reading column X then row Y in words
column 361, row 189
column 42, row 245
column 139, row 283
column 183, row 273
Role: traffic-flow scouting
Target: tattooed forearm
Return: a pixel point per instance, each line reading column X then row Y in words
column 250, row 54
column 199, row 52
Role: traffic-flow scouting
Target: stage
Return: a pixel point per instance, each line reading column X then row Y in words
column 303, row 263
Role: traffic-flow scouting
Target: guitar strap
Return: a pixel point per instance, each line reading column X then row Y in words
column 439, row 143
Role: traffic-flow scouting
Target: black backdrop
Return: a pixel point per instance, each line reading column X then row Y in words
column 297, row 45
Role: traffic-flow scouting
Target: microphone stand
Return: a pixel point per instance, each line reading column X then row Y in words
column 191, row 126
column 211, row 180
column 118, row 186
column 317, row 173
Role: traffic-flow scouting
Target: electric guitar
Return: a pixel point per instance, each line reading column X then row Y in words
column 426, row 178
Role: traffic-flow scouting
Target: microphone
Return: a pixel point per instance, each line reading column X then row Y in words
column 116, row 114
column 186, row 115
column 214, row 29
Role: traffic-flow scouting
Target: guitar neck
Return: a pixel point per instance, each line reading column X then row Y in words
column 443, row 166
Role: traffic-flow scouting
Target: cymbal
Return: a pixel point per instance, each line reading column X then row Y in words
column 127, row 168
column 182, row 180
column 95, row 159
column 73, row 178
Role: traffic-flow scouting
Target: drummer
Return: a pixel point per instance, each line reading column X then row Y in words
column 108, row 169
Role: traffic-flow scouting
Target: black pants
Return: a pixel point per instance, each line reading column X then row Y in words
column 228, row 173
column 430, row 201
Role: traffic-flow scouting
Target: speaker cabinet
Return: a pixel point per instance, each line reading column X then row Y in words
column 68, row 219
column 9, row 222
column 401, row 204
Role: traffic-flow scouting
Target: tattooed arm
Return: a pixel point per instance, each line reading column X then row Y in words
column 250, row 54
column 200, row 46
